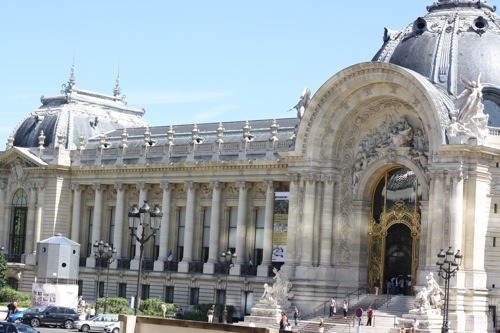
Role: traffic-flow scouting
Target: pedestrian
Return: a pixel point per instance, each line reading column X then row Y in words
column 283, row 321
column 370, row 316
column 210, row 314
column 333, row 307
column 345, row 307
column 163, row 308
column 402, row 329
column 296, row 316
column 288, row 327
column 414, row 326
column 321, row 326
column 10, row 309
column 376, row 286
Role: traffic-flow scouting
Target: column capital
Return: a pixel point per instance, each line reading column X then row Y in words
column 270, row 184
column 143, row 186
column 73, row 186
column 166, row 185
column 98, row 187
column 437, row 174
column 458, row 175
column 294, row 178
column 217, row 185
column 330, row 178
column 311, row 178
column 119, row 186
column 191, row 185
column 40, row 185
column 243, row 184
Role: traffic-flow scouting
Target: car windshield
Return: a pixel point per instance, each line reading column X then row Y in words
column 34, row 309
column 25, row 329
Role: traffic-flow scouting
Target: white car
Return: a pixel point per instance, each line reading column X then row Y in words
column 112, row 328
column 95, row 324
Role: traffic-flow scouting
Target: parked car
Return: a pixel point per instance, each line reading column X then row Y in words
column 53, row 316
column 19, row 315
column 112, row 328
column 9, row 327
column 95, row 324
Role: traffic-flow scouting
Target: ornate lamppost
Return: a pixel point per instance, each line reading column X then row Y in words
column 228, row 260
column 110, row 260
column 102, row 253
column 146, row 218
column 448, row 265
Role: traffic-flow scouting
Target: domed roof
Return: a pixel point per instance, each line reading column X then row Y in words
column 456, row 37
column 75, row 116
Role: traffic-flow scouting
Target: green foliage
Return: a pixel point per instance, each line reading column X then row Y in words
column 116, row 305
column 8, row 294
column 199, row 312
column 151, row 307
column 3, row 272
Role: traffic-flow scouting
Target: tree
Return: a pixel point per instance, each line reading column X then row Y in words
column 3, row 272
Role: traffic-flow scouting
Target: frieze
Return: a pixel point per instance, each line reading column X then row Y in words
column 231, row 192
column 259, row 193
column 205, row 192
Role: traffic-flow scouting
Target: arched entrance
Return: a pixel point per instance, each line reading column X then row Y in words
column 394, row 230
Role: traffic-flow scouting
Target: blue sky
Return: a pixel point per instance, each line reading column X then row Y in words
column 188, row 61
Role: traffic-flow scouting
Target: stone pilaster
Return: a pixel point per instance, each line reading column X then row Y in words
column 77, row 207
column 213, row 251
column 120, row 221
column 241, row 225
column 165, row 226
column 189, row 227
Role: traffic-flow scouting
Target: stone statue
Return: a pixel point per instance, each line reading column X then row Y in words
column 301, row 106
column 429, row 300
column 279, row 293
column 468, row 120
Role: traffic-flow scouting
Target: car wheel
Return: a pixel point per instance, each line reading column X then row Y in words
column 85, row 328
column 116, row 330
column 68, row 324
column 35, row 322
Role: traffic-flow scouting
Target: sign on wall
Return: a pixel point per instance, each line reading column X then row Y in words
column 44, row 294
column 281, row 200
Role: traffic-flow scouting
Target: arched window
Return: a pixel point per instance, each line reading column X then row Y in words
column 17, row 237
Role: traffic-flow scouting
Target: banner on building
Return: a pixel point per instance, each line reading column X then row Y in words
column 44, row 294
column 281, row 200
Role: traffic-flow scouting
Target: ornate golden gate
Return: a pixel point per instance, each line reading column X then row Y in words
column 377, row 241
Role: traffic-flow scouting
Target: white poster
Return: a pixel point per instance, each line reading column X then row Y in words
column 281, row 200
column 44, row 294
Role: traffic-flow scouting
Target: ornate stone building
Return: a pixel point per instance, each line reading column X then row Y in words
column 388, row 162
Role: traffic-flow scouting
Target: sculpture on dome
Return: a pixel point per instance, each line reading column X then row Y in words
column 279, row 293
column 301, row 106
column 468, row 120
column 430, row 299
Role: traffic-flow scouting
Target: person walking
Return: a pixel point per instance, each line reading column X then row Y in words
column 10, row 309
column 283, row 321
column 210, row 314
column 369, row 314
column 345, row 307
column 296, row 316
column 333, row 307
column 321, row 326
column 376, row 286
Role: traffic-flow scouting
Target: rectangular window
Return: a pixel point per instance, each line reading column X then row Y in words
column 80, row 287
column 89, row 231
column 233, row 223
column 101, row 289
column 145, row 292
column 220, row 296
column 194, row 296
column 206, row 233
column 260, row 215
column 248, row 302
column 169, row 294
column 180, row 232
column 122, row 290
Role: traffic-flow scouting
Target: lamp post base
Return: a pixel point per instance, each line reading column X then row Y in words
column 224, row 315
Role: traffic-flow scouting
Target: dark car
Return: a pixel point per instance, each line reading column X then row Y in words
column 19, row 315
column 53, row 316
column 7, row 327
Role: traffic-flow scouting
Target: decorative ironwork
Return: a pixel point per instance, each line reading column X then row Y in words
column 170, row 266
column 195, row 267
column 147, row 265
column 123, row 263
column 83, row 261
column 377, row 233
column 249, row 270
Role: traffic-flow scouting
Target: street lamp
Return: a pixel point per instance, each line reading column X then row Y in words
column 144, row 217
column 227, row 259
column 102, row 253
column 448, row 265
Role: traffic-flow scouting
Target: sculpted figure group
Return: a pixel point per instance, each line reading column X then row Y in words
column 430, row 299
column 279, row 292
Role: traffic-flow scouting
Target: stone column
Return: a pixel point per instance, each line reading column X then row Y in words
column 39, row 213
column 4, row 229
column 456, row 210
column 30, row 221
column 293, row 217
column 308, row 221
column 241, row 226
column 143, row 196
column 327, row 222
column 77, row 207
column 189, row 228
column 213, row 251
column 159, row 264
column 97, row 216
column 120, row 221
column 263, row 268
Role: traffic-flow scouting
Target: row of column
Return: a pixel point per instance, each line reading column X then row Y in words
column 190, row 188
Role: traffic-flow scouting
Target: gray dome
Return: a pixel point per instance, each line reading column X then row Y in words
column 75, row 116
column 456, row 37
